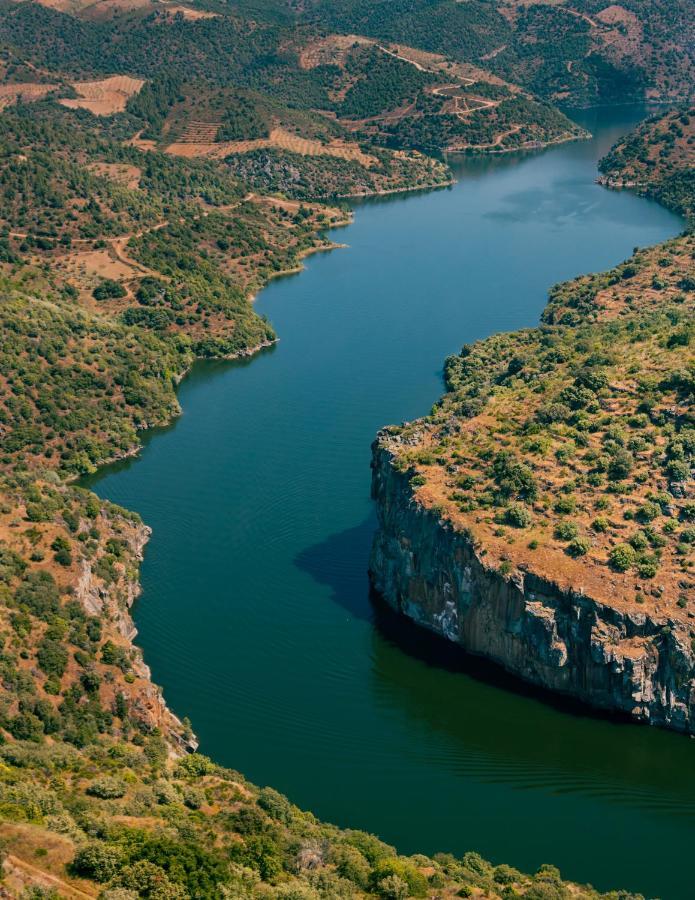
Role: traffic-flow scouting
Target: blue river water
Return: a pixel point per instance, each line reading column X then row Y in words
column 255, row 614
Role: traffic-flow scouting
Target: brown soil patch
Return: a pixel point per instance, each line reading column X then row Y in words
column 96, row 264
column 11, row 93
column 105, row 97
column 279, row 139
column 141, row 143
column 621, row 34
column 190, row 14
column 128, row 176
column 199, row 133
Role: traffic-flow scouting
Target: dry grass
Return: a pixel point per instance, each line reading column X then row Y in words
column 37, row 858
column 105, row 97
column 11, row 93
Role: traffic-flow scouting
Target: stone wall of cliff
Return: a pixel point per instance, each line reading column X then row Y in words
column 561, row 640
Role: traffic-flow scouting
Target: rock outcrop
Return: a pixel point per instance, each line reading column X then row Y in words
column 559, row 639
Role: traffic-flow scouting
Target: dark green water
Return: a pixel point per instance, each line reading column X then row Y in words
column 255, row 615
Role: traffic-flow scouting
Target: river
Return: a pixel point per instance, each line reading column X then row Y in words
column 255, row 614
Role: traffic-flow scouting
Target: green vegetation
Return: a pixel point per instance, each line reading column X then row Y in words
column 561, row 51
column 655, row 159
column 323, row 177
column 383, row 83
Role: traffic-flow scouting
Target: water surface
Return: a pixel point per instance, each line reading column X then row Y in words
column 255, row 614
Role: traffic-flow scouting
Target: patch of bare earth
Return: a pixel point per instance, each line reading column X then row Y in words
column 37, row 859
column 11, row 93
column 279, row 139
column 193, row 15
column 105, row 97
column 121, row 173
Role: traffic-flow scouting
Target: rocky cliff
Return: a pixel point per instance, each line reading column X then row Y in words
column 564, row 640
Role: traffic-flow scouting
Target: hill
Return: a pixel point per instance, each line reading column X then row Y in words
column 549, row 494
column 580, row 52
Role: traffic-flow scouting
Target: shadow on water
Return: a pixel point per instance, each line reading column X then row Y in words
column 494, row 724
column 348, row 583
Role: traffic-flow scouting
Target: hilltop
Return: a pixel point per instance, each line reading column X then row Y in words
column 333, row 106
column 580, row 52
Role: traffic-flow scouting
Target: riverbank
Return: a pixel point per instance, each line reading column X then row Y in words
column 529, row 462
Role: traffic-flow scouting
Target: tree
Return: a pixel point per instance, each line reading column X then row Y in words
column 621, row 557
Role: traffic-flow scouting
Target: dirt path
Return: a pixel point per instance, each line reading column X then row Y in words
column 496, row 143
column 119, row 245
column 412, row 62
column 23, row 870
column 579, row 15
column 460, row 113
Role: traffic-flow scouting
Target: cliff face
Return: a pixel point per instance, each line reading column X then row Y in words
column 112, row 604
column 629, row 662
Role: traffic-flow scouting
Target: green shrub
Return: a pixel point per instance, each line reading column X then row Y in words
column 620, row 465
column 647, row 565
column 648, row 512
column 106, row 788
column 566, row 531
column 621, row 557
column 580, row 546
column 517, row 516
column 108, row 289
column 98, row 861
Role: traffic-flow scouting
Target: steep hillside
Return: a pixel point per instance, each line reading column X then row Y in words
column 223, row 86
column 579, row 52
column 138, row 144
column 657, row 159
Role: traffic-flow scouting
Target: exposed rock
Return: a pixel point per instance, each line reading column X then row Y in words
column 560, row 639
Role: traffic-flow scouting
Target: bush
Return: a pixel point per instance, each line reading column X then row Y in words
column 150, row 881
column 513, row 478
column 579, row 546
column 393, row 888
column 97, row 861
column 621, row 557
column 197, row 765
column 404, row 871
column 647, row 565
column 648, row 512
column 108, row 289
column 565, row 505
column 277, row 806
column 52, row 657
column 566, row 531
column 106, row 789
column 638, row 541
column 620, row 465
column 517, row 516
column 351, row 864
